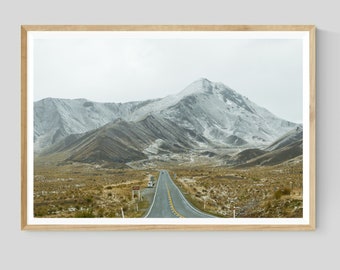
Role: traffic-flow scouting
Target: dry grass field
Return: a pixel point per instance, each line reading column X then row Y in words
column 85, row 191
column 257, row 192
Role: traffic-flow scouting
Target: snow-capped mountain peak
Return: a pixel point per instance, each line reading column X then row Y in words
column 200, row 86
column 212, row 110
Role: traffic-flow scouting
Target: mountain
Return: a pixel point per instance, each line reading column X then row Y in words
column 286, row 148
column 244, row 156
column 204, row 116
column 122, row 141
column 54, row 119
column 293, row 136
column 218, row 113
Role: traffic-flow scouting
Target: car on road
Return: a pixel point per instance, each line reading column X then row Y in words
column 150, row 184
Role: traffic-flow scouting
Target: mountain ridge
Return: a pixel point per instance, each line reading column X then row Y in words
column 203, row 115
column 124, row 141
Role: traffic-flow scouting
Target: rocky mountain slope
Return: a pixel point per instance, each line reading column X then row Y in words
column 204, row 116
column 122, row 141
column 284, row 149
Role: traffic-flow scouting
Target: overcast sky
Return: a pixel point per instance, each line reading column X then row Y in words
column 267, row 71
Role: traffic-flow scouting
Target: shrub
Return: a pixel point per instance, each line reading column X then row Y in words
column 40, row 211
column 278, row 194
column 85, row 214
column 100, row 212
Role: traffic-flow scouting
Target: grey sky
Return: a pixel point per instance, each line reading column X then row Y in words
column 267, row 71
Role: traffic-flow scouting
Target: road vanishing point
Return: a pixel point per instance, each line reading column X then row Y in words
column 169, row 202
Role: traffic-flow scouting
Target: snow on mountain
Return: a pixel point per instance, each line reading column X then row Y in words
column 122, row 141
column 287, row 139
column 212, row 110
column 219, row 113
column 288, row 148
column 56, row 118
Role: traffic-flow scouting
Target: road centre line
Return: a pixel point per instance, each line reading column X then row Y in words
column 171, row 203
column 186, row 202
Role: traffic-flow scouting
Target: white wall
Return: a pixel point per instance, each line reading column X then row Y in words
column 171, row 250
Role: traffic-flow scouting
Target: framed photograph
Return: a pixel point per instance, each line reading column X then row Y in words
column 168, row 127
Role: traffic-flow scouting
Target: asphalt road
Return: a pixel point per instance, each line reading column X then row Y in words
column 169, row 202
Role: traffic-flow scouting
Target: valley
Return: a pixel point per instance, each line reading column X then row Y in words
column 228, row 156
column 89, row 191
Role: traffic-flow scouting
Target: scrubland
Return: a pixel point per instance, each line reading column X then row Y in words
column 82, row 190
column 257, row 192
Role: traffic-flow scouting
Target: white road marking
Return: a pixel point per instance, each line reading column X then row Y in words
column 182, row 196
column 154, row 197
column 185, row 200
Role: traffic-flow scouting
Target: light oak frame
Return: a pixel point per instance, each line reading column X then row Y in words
column 312, row 147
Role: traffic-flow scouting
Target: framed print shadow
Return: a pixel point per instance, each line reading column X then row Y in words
column 168, row 127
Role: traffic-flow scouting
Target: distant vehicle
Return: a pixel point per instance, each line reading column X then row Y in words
column 150, row 184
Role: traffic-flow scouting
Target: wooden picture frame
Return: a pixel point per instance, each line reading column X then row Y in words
column 304, row 34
